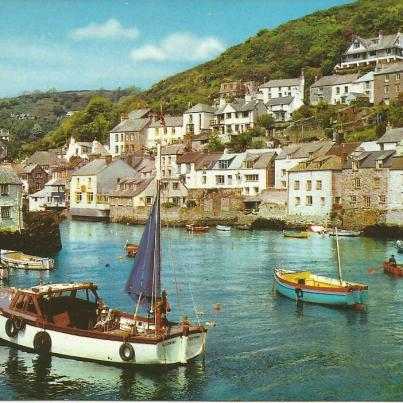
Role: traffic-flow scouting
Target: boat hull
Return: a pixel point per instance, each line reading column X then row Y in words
column 302, row 235
column 345, row 233
column 8, row 258
column 223, row 228
column 399, row 246
column 174, row 350
column 396, row 270
column 299, row 292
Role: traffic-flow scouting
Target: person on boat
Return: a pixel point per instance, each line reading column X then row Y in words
column 161, row 310
column 392, row 260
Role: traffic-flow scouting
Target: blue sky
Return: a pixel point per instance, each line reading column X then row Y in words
column 89, row 44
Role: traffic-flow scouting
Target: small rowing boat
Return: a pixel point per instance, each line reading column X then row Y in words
column 395, row 269
column 295, row 234
column 244, row 227
column 196, row 228
column 131, row 249
column 18, row 260
column 344, row 232
column 399, row 246
column 223, row 227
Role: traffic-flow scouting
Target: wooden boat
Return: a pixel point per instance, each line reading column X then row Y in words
column 223, row 227
column 305, row 286
column 395, row 269
column 399, row 246
column 318, row 229
column 71, row 320
column 18, row 260
column 131, row 249
column 197, row 228
column 244, row 227
column 295, row 234
column 344, row 232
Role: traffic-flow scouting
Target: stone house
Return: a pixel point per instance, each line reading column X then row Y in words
column 92, row 184
column 372, row 51
column 10, row 200
column 332, row 89
column 45, row 159
column 315, row 187
column 33, row 177
column 198, row 119
column 388, row 83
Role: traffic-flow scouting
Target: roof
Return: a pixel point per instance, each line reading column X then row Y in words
column 386, row 41
column 198, row 108
column 240, row 105
column 390, row 68
column 368, row 159
column 286, row 82
column 170, row 121
column 8, row 176
column 347, row 148
column 29, row 168
column 92, row 168
column 208, row 160
column 131, row 125
column 335, row 79
column 57, row 182
column 53, row 288
column 40, row 193
column 42, row 158
column 366, row 77
column 280, row 101
column 306, row 150
column 138, row 113
column 189, row 157
column 173, row 149
column 137, row 186
column 392, row 135
column 99, row 149
column 322, row 163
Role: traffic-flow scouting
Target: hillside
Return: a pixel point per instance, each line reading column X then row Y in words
column 29, row 117
column 314, row 42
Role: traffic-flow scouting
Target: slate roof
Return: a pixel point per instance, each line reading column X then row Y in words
column 131, row 125
column 99, row 149
column 335, row 79
column 306, row 150
column 392, row 136
column 280, row 101
column 387, row 41
column 137, row 186
column 42, row 158
column 173, row 149
column 368, row 159
column 348, row 148
column 170, row 121
column 286, row 82
column 29, row 168
column 392, row 68
column 198, row 108
column 240, row 105
column 189, row 157
column 92, row 168
column 138, row 113
column 322, row 163
column 8, row 176
column 366, row 77
column 207, row 161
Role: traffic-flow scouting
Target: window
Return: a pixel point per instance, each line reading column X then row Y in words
column 204, row 179
column 164, row 185
column 296, row 185
column 5, row 212
column 223, row 164
column 355, row 165
column 283, row 184
column 173, row 130
column 345, row 89
column 247, row 191
column 229, row 179
column 322, row 201
column 4, row 189
column 283, row 172
column 90, row 197
column 248, row 164
column 353, row 199
column 356, row 183
column 378, row 164
column 78, row 182
column 149, row 200
column 397, row 76
column 89, row 183
column 297, row 201
column 386, row 89
column 256, row 190
column 397, row 88
column 356, row 44
column 337, row 90
column 386, row 78
column 219, row 180
column 377, row 183
column 116, row 137
column 175, row 185
column 251, row 178
column 367, row 201
column 78, row 197
column 188, row 168
column 245, row 114
column 309, row 201
column 318, row 185
column 309, row 185
column 382, row 199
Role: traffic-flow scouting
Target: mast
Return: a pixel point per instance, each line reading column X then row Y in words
column 338, row 257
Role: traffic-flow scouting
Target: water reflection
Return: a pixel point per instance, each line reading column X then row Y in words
column 26, row 376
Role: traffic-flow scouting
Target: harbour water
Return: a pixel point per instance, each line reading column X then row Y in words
column 264, row 346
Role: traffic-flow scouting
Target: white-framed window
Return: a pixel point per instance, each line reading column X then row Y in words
column 149, row 200
column 322, row 201
column 308, row 185
column 356, row 183
column 219, row 180
column 5, row 211
column 367, row 201
column 308, row 201
column 4, row 189
column 353, row 199
column 283, row 172
column 204, row 179
column 382, row 199
column 252, row 178
column 319, row 185
column 78, row 197
column 297, row 201
column 296, row 185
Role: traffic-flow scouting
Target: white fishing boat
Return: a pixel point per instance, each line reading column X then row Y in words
column 18, row 260
column 344, row 233
column 223, row 228
column 399, row 246
column 71, row 320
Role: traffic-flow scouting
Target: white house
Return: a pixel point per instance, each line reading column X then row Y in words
column 364, row 85
column 91, row 185
column 281, row 108
column 391, row 139
column 197, row 119
column 394, row 215
column 80, row 149
column 169, row 133
column 315, row 187
column 288, row 87
column 169, row 154
column 52, row 196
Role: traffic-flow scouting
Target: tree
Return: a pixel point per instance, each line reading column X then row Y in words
column 215, row 143
column 266, row 121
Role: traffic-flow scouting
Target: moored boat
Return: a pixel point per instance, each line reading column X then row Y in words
column 399, row 246
column 223, row 227
column 131, row 249
column 395, row 269
column 244, row 227
column 296, row 234
column 344, row 232
column 18, row 260
column 197, row 228
column 308, row 287
column 318, row 229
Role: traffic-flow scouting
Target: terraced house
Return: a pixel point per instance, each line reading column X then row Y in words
column 10, row 200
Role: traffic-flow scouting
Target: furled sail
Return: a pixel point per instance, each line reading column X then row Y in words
column 144, row 281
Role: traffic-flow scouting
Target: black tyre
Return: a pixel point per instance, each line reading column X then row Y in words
column 42, row 343
column 126, row 352
column 20, row 324
column 11, row 328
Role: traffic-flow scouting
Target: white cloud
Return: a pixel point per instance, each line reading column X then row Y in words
column 180, row 47
column 110, row 29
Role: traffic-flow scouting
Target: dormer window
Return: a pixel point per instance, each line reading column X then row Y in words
column 356, row 44
column 379, row 164
column 248, row 164
column 355, row 165
column 223, row 164
column 288, row 156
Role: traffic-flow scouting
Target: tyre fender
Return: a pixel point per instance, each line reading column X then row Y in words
column 126, row 352
column 42, row 343
column 11, row 328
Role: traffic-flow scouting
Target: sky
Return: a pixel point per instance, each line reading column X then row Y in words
column 92, row 44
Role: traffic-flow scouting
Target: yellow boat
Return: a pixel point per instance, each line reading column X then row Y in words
column 295, row 234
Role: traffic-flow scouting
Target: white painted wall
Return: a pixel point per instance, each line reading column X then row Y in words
column 116, row 143
column 284, row 165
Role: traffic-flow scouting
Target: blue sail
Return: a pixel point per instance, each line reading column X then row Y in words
column 144, row 281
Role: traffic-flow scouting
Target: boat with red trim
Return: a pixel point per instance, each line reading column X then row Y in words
column 395, row 269
column 197, row 228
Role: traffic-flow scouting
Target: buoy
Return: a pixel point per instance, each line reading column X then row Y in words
column 120, row 257
column 107, row 265
column 217, row 307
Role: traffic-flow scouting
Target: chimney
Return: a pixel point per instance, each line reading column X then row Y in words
column 108, row 159
column 124, row 116
column 316, row 79
column 380, row 35
column 264, row 79
column 343, row 155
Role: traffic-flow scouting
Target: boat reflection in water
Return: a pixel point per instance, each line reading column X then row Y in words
column 24, row 376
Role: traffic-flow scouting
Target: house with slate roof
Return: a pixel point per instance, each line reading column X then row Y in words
column 287, row 87
column 388, row 83
column 391, row 138
column 51, row 197
column 168, row 133
column 394, row 215
column 45, row 159
column 80, row 149
column 198, row 119
column 10, row 199
column 33, row 177
column 363, row 87
column 372, row 51
column 169, row 154
column 332, row 89
column 92, row 184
